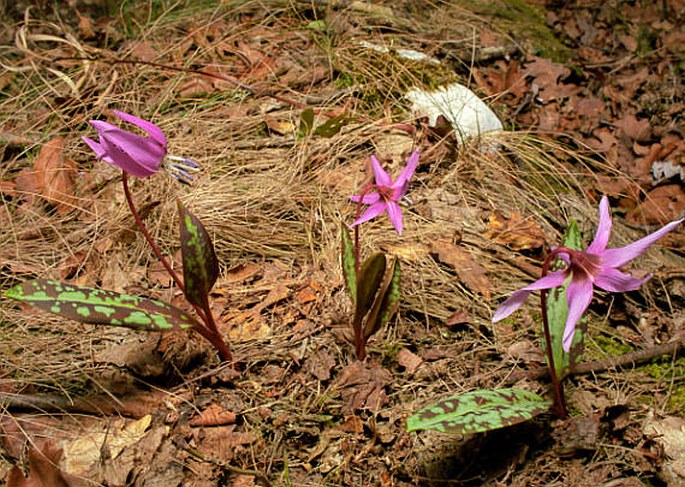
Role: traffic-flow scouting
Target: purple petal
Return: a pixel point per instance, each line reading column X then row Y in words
column 513, row 303
column 599, row 243
column 371, row 212
column 395, row 215
column 149, row 127
column 97, row 148
column 116, row 156
column 369, row 198
column 146, row 152
column 382, row 177
column 402, row 180
column 102, row 126
column 616, row 281
column 578, row 297
column 551, row 280
column 623, row 255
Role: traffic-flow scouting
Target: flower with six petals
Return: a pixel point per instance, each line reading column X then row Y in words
column 387, row 193
column 596, row 266
column 136, row 154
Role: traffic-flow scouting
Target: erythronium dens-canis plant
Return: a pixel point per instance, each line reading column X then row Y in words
column 571, row 292
column 141, row 156
column 374, row 285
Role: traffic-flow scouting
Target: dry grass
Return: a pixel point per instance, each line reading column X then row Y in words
column 262, row 196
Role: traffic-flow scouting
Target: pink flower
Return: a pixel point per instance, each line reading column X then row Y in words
column 388, row 193
column 596, row 266
column 136, row 154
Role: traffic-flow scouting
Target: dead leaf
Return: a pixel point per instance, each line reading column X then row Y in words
column 409, row 360
column 43, row 467
column 515, row 232
column 470, row 272
column 213, row 415
column 244, row 481
column 281, row 127
column 52, row 177
column 220, row 443
column 320, row 364
column 362, row 386
column 662, row 205
column 142, row 50
column 459, row 317
column 102, row 442
column 408, row 252
column 8, row 188
column 669, row 434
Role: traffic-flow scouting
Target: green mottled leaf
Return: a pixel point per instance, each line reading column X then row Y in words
column 384, row 308
column 306, row 123
column 200, row 265
column 479, row 411
column 557, row 311
column 370, row 277
column 331, row 126
column 348, row 264
column 99, row 307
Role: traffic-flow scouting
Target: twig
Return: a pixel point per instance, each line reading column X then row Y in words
column 625, row 360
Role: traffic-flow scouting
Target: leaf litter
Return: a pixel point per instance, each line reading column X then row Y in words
column 302, row 410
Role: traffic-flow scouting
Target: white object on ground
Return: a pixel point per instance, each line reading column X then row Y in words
column 403, row 53
column 468, row 114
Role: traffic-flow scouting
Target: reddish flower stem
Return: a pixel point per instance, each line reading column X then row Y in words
column 557, row 383
column 360, row 343
column 357, row 214
column 210, row 332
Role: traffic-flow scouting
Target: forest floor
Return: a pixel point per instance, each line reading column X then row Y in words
column 591, row 98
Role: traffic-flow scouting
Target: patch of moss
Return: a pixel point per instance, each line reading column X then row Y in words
column 524, row 21
column 387, row 76
column 665, row 369
column 611, row 346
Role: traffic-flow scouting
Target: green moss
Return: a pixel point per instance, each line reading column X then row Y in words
column 666, row 370
column 524, row 21
column 611, row 346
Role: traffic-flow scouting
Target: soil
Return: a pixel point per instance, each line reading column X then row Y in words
column 591, row 94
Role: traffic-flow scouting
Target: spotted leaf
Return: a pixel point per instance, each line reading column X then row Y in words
column 557, row 310
column 200, row 265
column 370, row 278
column 479, row 411
column 99, row 307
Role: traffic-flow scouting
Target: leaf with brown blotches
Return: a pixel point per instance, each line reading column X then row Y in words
column 471, row 273
column 515, row 232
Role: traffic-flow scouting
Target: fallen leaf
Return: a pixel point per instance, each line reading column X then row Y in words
column 669, row 434
column 213, row 415
column 515, row 232
column 102, row 442
column 409, row 360
column 470, row 272
column 220, row 443
column 662, row 205
column 459, row 317
column 408, row 252
column 320, row 364
column 362, row 386
column 244, row 481
column 43, row 467
column 52, row 177
column 55, row 176
column 281, row 127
